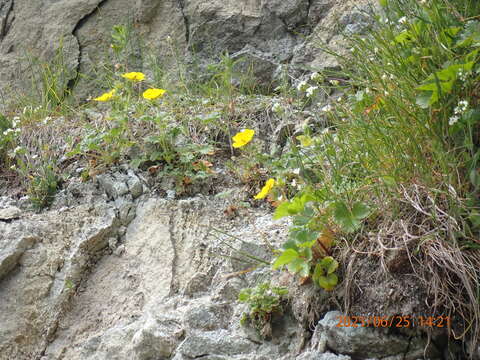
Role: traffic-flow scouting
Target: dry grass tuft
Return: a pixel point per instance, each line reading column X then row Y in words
column 425, row 242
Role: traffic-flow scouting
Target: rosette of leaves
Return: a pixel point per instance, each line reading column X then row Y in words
column 263, row 301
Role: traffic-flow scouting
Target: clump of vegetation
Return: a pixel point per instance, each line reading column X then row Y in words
column 399, row 155
column 263, row 302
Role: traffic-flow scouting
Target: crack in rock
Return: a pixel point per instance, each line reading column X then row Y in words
column 72, row 82
column 6, row 9
column 181, row 4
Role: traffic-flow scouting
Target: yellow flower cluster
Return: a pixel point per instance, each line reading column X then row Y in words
column 105, row 96
column 243, row 138
column 265, row 190
column 134, row 76
column 152, row 94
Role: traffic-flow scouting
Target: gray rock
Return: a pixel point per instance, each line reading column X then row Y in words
column 134, row 184
column 207, row 317
column 366, row 342
column 10, row 213
column 13, row 243
column 199, row 283
column 220, row 342
column 275, row 32
column 156, row 339
column 313, row 355
column 126, row 209
column 114, row 185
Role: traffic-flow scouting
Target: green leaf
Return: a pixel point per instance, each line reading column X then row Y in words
column 404, row 37
column 244, row 295
column 286, row 257
column 299, row 266
column 328, row 282
column 290, row 244
column 304, row 235
column 295, row 206
column 318, row 272
column 329, row 264
column 424, row 98
column 360, row 210
column 343, row 217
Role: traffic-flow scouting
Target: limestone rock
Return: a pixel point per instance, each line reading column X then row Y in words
column 220, row 342
column 367, row 342
column 10, row 213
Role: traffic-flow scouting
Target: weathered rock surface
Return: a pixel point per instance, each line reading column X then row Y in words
column 267, row 34
column 81, row 282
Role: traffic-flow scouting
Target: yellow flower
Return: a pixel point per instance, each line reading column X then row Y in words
column 105, row 96
column 134, row 76
column 243, row 138
column 265, row 190
column 152, row 94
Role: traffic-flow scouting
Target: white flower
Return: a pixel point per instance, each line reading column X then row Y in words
column 462, row 75
column 296, row 171
column 334, row 82
column 34, row 156
column 302, row 86
column 461, row 107
column 17, row 149
column 453, row 120
column 384, row 77
column 8, row 131
column 375, row 50
column 316, row 76
column 277, row 108
column 327, row 108
column 13, row 167
column 403, row 20
column 311, row 91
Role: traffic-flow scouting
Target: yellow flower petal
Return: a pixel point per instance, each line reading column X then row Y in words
column 105, row 96
column 243, row 138
column 151, row 94
column 134, row 76
column 265, row 190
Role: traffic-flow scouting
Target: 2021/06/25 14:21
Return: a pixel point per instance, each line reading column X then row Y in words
column 405, row 321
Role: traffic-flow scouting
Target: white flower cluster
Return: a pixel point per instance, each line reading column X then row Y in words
column 462, row 75
column 311, row 91
column 14, row 129
column 302, row 85
column 461, row 107
column 316, row 77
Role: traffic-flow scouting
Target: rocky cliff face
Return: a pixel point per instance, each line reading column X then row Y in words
column 115, row 272
column 268, row 33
